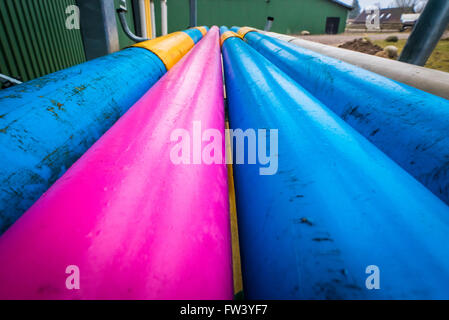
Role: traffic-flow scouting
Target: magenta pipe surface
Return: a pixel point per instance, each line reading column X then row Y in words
column 136, row 225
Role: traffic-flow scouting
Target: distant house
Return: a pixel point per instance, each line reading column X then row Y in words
column 389, row 18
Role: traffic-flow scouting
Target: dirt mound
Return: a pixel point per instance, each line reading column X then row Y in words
column 361, row 45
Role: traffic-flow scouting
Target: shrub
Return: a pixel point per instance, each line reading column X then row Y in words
column 391, row 39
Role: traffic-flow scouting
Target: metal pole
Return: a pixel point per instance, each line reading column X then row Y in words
column 427, row 32
column 164, row 17
column 153, row 20
column 5, row 77
column 98, row 27
column 193, row 13
column 143, row 20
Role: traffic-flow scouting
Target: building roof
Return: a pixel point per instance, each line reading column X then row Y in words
column 344, row 3
column 388, row 15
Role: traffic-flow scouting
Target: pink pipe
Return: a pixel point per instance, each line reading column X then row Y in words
column 136, row 225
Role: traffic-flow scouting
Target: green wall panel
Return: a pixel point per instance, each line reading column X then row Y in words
column 291, row 16
column 34, row 40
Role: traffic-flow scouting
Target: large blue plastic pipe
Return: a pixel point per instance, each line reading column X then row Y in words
column 409, row 125
column 48, row 123
column 195, row 34
column 336, row 206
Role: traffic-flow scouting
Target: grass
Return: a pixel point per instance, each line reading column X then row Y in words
column 439, row 59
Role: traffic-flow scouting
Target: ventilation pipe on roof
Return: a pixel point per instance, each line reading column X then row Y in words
column 269, row 23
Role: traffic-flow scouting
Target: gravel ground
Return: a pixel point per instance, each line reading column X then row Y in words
column 336, row 39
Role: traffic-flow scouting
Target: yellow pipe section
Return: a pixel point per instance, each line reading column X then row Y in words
column 169, row 48
column 226, row 35
column 244, row 30
column 202, row 29
column 236, row 264
column 148, row 19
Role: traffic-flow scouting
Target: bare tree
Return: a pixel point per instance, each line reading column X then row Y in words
column 411, row 5
column 356, row 11
column 419, row 7
column 405, row 3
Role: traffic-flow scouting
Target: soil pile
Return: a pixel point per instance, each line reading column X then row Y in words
column 361, row 45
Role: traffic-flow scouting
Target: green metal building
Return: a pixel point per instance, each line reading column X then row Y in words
column 34, row 39
column 290, row 16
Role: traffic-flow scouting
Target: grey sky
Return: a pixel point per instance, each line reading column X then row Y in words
column 383, row 3
column 365, row 3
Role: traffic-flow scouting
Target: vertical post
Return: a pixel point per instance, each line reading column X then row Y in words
column 143, row 19
column 140, row 18
column 164, row 17
column 153, row 20
column 427, row 32
column 98, row 27
column 193, row 13
column 148, row 22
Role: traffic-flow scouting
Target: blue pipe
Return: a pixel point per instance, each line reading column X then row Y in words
column 409, row 125
column 336, row 206
column 46, row 124
column 195, row 34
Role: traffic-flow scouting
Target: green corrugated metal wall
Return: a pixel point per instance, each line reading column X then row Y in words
column 291, row 16
column 34, row 40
